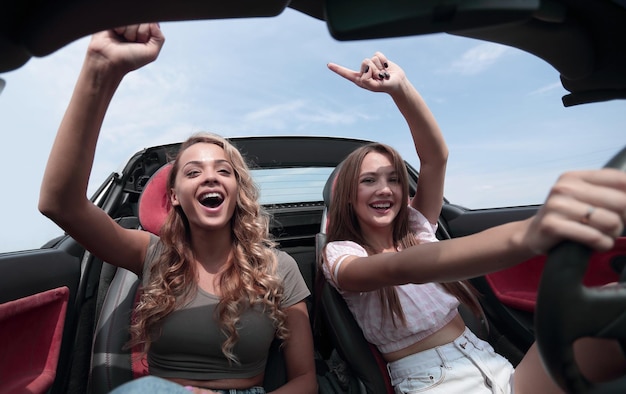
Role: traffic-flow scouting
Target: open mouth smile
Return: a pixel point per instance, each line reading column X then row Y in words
column 211, row 199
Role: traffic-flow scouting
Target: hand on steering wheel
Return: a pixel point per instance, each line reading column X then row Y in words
column 567, row 310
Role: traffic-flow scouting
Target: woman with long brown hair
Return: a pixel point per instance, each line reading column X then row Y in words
column 402, row 285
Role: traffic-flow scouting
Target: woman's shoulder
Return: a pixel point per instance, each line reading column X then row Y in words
column 285, row 263
column 283, row 257
column 155, row 248
column 340, row 248
column 292, row 275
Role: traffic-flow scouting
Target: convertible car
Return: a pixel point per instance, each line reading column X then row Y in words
column 64, row 313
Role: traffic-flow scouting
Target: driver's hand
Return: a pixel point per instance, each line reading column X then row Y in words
column 583, row 206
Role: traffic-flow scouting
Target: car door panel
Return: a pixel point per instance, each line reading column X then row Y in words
column 38, row 291
column 462, row 221
column 31, row 331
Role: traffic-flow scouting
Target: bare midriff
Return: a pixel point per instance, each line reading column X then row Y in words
column 446, row 334
column 222, row 384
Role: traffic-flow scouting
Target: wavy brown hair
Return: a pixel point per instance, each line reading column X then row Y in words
column 250, row 279
column 343, row 225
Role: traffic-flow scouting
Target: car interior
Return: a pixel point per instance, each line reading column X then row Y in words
column 334, row 326
column 294, row 225
column 346, row 362
column 64, row 313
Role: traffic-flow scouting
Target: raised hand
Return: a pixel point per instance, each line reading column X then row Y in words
column 377, row 74
column 127, row 48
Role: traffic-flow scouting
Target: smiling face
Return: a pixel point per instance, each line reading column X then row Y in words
column 206, row 187
column 379, row 192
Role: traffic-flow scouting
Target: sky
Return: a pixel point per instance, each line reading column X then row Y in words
column 499, row 108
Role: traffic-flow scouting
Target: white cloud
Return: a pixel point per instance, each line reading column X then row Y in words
column 478, row 59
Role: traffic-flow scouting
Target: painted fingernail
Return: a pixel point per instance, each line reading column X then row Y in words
column 381, row 75
column 385, row 64
column 386, row 75
column 366, row 69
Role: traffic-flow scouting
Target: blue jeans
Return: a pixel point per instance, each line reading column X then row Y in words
column 466, row 365
column 156, row 385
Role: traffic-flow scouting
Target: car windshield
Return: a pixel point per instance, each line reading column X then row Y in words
column 291, row 185
column 500, row 110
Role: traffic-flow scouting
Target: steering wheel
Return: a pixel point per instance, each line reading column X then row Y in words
column 567, row 310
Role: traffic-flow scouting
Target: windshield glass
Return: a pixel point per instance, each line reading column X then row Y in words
column 291, row 185
column 499, row 108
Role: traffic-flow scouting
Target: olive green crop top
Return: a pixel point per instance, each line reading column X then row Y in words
column 190, row 344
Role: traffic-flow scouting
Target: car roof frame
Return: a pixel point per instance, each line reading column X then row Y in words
column 584, row 40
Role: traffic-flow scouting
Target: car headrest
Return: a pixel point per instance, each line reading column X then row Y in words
column 154, row 203
column 329, row 187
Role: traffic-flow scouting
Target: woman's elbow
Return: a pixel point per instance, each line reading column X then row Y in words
column 47, row 205
column 54, row 207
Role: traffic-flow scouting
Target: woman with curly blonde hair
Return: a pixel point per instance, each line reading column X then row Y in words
column 215, row 291
column 251, row 278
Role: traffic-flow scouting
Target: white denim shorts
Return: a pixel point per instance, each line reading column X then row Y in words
column 466, row 365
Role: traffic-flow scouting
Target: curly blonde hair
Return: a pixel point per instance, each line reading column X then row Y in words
column 251, row 278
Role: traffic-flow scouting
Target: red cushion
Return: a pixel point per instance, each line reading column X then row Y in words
column 154, row 204
column 31, row 330
column 517, row 286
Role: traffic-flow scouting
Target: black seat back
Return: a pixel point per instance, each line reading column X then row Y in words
column 364, row 359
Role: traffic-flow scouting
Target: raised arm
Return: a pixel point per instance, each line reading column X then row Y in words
column 63, row 198
column 564, row 216
column 379, row 74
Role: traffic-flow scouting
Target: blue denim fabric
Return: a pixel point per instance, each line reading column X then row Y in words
column 150, row 384
column 155, row 385
column 466, row 365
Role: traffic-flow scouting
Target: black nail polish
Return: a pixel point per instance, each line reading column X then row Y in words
column 385, row 64
column 386, row 75
column 381, row 75
column 367, row 68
